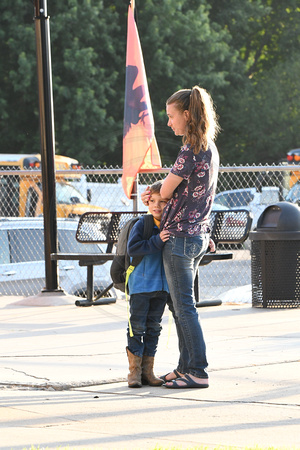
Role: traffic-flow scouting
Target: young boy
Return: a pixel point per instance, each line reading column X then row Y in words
column 148, row 291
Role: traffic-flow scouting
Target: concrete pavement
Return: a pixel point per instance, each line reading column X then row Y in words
column 63, row 379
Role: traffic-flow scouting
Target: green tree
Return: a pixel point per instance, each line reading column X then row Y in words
column 244, row 53
column 260, row 115
column 86, row 62
column 266, row 123
column 182, row 48
column 264, row 32
column 19, row 122
column 86, row 55
column 88, row 44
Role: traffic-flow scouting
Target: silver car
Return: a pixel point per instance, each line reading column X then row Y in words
column 22, row 264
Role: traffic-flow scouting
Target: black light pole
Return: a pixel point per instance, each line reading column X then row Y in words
column 44, row 71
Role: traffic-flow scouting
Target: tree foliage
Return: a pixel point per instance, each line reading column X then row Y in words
column 245, row 53
column 260, row 115
column 190, row 51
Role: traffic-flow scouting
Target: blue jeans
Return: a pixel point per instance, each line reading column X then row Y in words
column 181, row 257
column 146, row 311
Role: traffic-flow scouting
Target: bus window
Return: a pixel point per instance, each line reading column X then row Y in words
column 9, row 195
column 31, row 203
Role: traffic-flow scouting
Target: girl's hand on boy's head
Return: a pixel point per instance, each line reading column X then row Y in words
column 164, row 235
column 145, row 196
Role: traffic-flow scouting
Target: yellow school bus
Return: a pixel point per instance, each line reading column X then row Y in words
column 293, row 157
column 21, row 193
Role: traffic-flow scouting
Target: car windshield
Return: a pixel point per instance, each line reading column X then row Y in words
column 68, row 195
column 28, row 245
column 67, row 244
column 294, row 194
column 235, row 199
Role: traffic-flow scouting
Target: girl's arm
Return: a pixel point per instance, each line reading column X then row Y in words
column 169, row 185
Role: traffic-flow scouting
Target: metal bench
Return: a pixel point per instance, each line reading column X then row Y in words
column 230, row 227
column 97, row 228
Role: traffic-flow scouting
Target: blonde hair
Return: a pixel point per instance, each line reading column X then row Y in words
column 202, row 124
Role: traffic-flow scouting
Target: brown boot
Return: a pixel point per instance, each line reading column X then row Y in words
column 148, row 376
column 135, row 370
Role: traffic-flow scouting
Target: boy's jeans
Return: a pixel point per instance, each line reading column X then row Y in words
column 146, row 311
column 181, row 257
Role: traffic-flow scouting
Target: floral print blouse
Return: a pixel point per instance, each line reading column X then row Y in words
column 187, row 212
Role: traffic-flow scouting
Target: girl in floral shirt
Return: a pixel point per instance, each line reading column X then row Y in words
column 188, row 210
column 191, row 187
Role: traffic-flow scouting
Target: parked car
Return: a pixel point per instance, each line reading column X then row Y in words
column 250, row 199
column 22, row 264
column 218, row 207
column 293, row 156
column 293, row 195
column 108, row 195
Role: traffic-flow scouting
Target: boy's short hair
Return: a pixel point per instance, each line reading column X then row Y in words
column 155, row 187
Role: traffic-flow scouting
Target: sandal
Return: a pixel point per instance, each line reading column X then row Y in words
column 189, row 383
column 177, row 375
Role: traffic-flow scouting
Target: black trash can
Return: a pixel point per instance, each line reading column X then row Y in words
column 275, row 257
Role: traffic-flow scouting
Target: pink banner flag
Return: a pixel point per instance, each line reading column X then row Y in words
column 140, row 150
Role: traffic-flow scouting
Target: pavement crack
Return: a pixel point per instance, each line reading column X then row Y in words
column 26, row 374
column 260, row 364
column 200, row 400
column 56, row 386
column 53, row 355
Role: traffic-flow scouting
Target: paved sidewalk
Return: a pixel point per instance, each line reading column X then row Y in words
column 63, row 380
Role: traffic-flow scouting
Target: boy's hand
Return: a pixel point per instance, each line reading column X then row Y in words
column 145, row 196
column 212, row 246
column 164, row 235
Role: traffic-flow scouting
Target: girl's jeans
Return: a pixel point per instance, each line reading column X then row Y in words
column 146, row 311
column 181, row 257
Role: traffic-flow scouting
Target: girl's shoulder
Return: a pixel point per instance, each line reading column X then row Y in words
column 186, row 148
column 185, row 153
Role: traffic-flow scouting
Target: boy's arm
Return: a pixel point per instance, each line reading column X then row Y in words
column 136, row 246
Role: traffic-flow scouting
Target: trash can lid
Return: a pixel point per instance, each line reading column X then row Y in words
column 282, row 216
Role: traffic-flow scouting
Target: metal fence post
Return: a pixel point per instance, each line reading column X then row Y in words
column 44, row 71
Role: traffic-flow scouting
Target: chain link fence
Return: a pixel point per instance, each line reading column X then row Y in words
column 22, row 270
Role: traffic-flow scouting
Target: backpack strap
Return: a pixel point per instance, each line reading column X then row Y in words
column 147, row 233
column 148, row 226
column 128, row 272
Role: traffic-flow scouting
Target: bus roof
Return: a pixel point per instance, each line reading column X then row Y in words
column 13, row 157
column 18, row 159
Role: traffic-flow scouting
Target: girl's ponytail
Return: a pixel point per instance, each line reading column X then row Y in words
column 202, row 125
